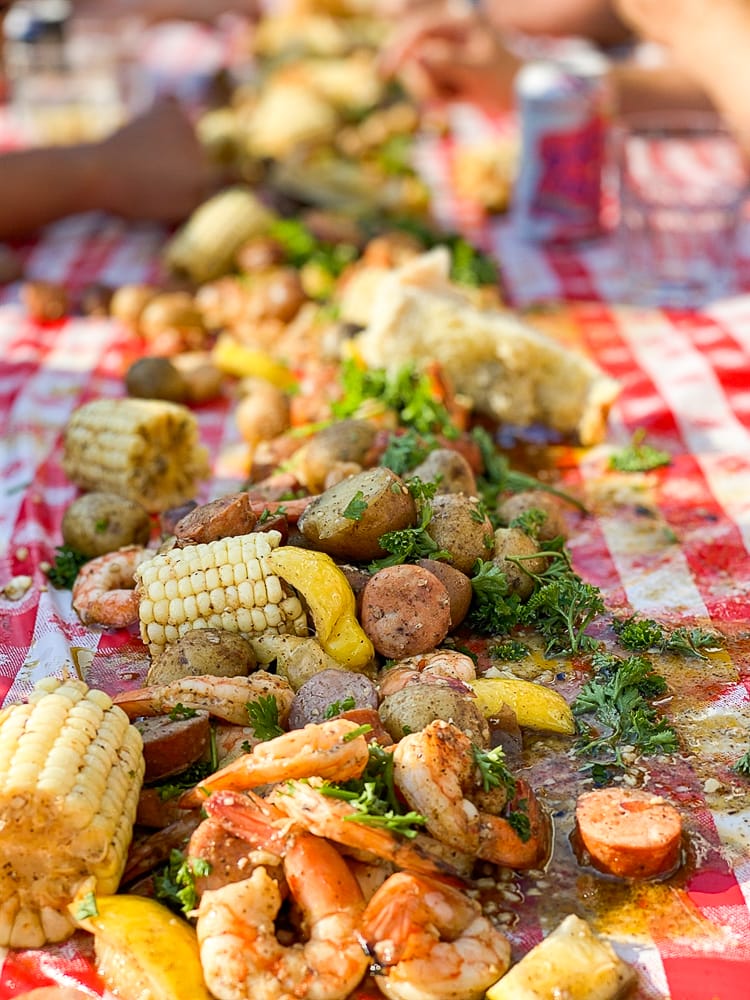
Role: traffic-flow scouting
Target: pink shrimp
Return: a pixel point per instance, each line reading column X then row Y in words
column 104, row 590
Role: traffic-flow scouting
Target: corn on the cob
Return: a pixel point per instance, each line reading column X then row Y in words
column 204, row 248
column 147, row 450
column 71, row 768
column 225, row 584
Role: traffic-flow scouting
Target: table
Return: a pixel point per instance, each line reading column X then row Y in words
column 672, row 544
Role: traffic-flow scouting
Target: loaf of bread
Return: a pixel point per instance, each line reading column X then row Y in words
column 507, row 369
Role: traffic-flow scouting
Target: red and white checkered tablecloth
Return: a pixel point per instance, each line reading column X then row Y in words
column 672, row 544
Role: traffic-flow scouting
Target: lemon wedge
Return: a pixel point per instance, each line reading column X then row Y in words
column 536, row 706
column 142, row 948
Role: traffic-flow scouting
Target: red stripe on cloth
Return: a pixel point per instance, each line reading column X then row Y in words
column 709, row 977
column 709, row 542
column 576, row 282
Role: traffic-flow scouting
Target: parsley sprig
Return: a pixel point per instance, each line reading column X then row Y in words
column 411, row 544
column 743, row 765
column 493, row 611
column 493, row 770
column 641, row 634
column 618, row 698
column 263, row 714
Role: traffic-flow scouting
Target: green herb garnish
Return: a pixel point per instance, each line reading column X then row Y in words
column 562, row 610
column 639, row 456
column 356, row 507
column 493, row 770
column 263, row 714
column 176, row 784
column 175, row 885
column 181, row 711
column 337, row 707
column 641, row 634
column 743, row 765
column 412, row 544
column 520, row 822
column 530, row 521
column 510, row 650
column 493, row 611
column 618, row 698
column 87, row 907
column 64, row 570
column 406, row 449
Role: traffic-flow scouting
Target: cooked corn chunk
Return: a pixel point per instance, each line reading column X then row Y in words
column 71, row 768
column 225, row 584
column 204, row 248
column 145, row 449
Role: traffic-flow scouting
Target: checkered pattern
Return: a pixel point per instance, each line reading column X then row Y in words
column 672, row 544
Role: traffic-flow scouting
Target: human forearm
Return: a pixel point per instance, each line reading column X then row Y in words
column 42, row 185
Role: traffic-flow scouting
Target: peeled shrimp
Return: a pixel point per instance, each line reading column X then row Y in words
column 223, row 697
column 325, row 749
column 437, row 774
column 431, row 942
column 241, row 955
column 104, row 589
column 325, row 816
column 441, row 664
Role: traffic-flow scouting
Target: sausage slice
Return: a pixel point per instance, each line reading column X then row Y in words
column 629, row 832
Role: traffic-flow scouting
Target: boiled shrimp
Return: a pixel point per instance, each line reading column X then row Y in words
column 333, row 749
column 436, row 772
column 241, row 955
column 430, row 941
column 104, row 589
column 325, row 816
column 229, row 858
column 223, row 697
column 442, row 664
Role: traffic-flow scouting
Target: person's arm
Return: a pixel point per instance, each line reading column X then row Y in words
column 152, row 168
column 709, row 41
column 596, row 20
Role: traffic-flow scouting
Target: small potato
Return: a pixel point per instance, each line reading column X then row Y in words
column 259, row 254
column 204, row 380
column 45, row 301
column 169, row 311
column 279, row 296
column 156, row 378
column 97, row 523
column 263, row 413
column 459, row 526
column 405, row 611
column 347, row 520
column 458, row 586
column 203, row 651
column 343, row 441
column 95, row 300
column 516, row 504
column 331, row 692
column 515, row 543
column 129, row 301
column 450, row 470
column 417, row 705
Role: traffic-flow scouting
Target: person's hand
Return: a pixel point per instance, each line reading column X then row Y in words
column 456, row 57
column 152, row 168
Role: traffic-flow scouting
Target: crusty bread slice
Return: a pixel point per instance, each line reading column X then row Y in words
column 507, row 368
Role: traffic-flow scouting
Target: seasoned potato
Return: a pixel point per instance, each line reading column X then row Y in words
column 516, row 504
column 331, row 692
column 450, row 469
column 156, row 378
column 343, row 441
column 203, row 651
column 97, row 523
column 515, row 543
column 348, row 519
column 129, row 301
column 459, row 526
column 417, row 705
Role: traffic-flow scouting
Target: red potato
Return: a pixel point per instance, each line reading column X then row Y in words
column 629, row 832
column 171, row 745
column 406, row 610
column 222, row 518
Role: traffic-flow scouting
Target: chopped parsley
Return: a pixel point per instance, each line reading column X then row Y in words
column 562, row 610
column 530, row 521
column 175, row 885
column 519, row 821
column 356, row 507
column 373, row 797
column 337, row 707
column 639, row 456
column 406, row 449
column 412, row 544
column 492, row 768
column 618, row 699
column 263, row 714
column 64, row 570
column 512, row 649
column 743, row 765
column 87, row 907
column 302, row 247
column 181, row 711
